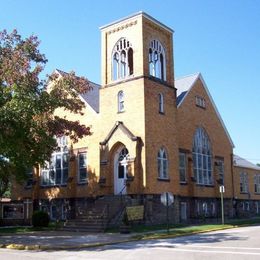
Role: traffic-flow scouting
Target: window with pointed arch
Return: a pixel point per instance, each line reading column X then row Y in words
column 162, row 162
column 122, row 60
column 202, row 157
column 157, row 63
column 161, row 103
column 121, row 101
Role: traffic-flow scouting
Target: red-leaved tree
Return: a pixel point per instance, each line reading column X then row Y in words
column 28, row 123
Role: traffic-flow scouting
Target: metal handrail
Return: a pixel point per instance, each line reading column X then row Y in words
column 121, row 192
column 105, row 210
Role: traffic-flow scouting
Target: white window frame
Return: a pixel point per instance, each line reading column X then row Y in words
column 121, row 101
column 161, row 103
column 84, row 167
column 202, row 158
column 243, row 182
column 122, row 64
column 200, row 102
column 49, row 173
column 157, row 60
column 182, row 167
column 257, row 183
column 162, row 163
column 184, row 205
column 205, row 208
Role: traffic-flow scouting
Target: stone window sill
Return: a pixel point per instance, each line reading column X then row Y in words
column 163, row 179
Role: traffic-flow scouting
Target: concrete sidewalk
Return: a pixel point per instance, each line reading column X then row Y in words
column 60, row 240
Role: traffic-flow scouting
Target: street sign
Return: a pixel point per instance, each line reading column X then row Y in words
column 167, row 198
column 222, row 189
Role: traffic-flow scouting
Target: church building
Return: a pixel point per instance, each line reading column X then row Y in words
column 151, row 133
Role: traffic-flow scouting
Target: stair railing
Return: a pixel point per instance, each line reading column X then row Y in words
column 105, row 216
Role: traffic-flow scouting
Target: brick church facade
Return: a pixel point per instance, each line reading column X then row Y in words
column 151, row 133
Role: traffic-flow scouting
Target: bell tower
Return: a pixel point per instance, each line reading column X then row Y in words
column 137, row 78
column 135, row 46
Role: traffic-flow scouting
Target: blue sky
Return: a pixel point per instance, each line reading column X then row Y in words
column 220, row 39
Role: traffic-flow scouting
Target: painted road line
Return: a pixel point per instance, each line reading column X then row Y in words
column 209, row 251
column 225, row 247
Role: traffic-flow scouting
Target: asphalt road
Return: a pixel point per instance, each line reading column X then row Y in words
column 232, row 244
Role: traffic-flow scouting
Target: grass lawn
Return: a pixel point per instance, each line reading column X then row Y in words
column 21, row 230
column 181, row 231
column 157, row 232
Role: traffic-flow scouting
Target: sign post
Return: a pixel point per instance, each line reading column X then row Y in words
column 222, row 190
column 167, row 199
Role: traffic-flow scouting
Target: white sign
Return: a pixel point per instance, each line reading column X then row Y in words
column 222, row 189
column 167, row 198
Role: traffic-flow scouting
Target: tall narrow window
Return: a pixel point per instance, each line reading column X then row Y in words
column 182, row 167
column 82, row 168
column 121, row 101
column 123, row 64
column 257, row 183
column 116, row 66
column 161, row 103
column 243, row 182
column 202, row 157
column 157, row 60
column 162, row 162
column 130, row 61
column 220, row 171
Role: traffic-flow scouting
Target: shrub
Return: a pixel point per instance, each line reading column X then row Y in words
column 40, row 219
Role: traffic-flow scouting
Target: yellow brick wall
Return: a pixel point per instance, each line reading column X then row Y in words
column 250, row 173
column 172, row 130
column 189, row 118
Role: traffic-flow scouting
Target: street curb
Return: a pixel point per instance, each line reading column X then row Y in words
column 53, row 248
column 99, row 244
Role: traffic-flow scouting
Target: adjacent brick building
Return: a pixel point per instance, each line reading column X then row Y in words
column 151, row 133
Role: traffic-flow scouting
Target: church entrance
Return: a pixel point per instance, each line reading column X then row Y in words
column 120, row 171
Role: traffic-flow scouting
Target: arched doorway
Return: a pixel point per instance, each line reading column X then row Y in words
column 120, row 170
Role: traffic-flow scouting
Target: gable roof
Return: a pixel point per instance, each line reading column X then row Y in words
column 185, row 84
column 91, row 97
column 241, row 162
column 119, row 124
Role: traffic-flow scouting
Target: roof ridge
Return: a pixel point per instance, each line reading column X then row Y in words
column 241, row 159
column 189, row 75
column 64, row 72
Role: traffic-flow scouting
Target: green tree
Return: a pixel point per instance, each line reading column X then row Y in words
column 28, row 122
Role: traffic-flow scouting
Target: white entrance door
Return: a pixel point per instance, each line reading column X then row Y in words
column 183, row 211
column 120, row 171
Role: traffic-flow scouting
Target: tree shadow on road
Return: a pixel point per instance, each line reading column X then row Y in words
column 173, row 242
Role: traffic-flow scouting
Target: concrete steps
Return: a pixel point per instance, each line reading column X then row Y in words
column 96, row 218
